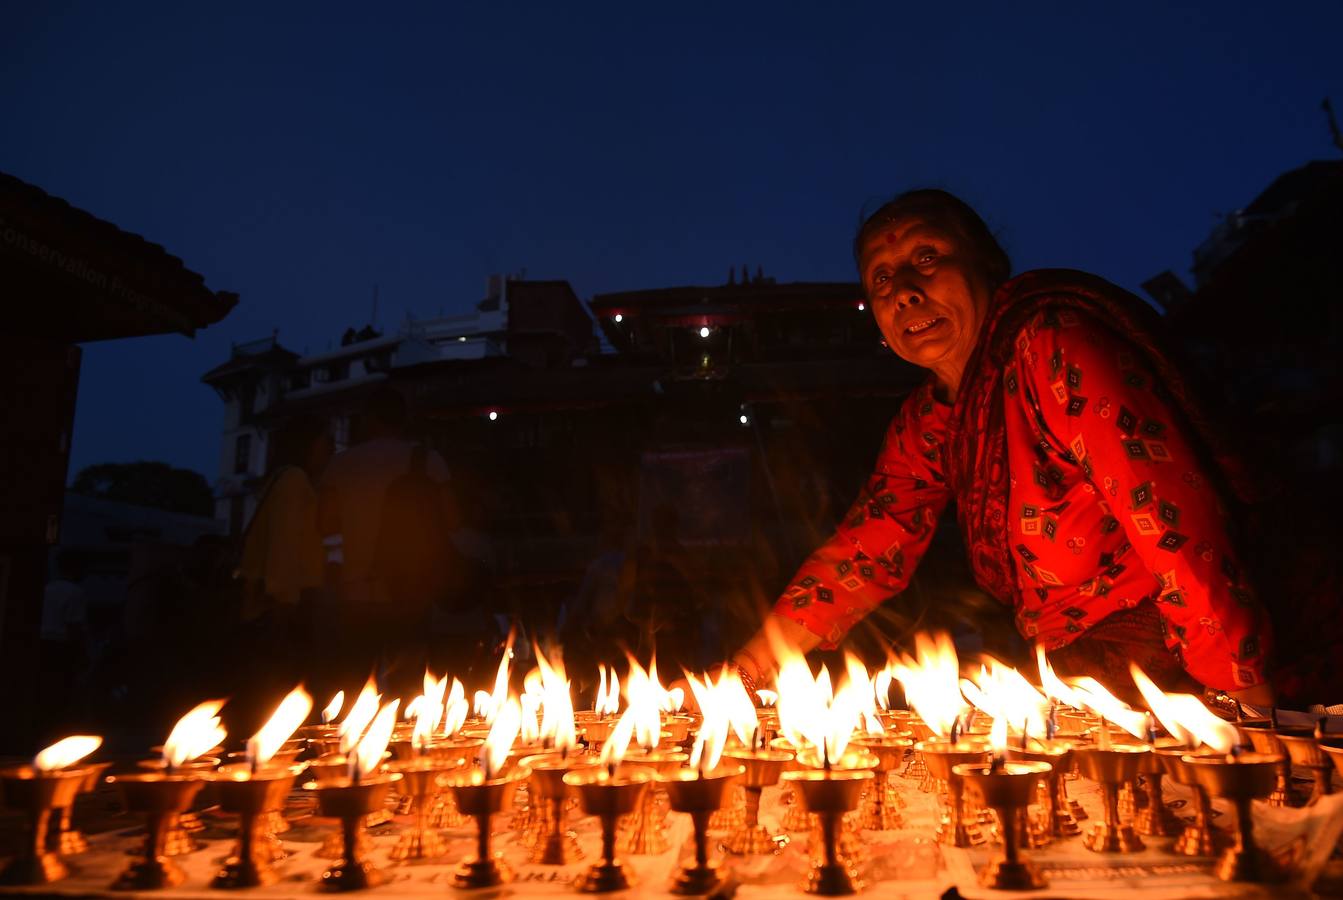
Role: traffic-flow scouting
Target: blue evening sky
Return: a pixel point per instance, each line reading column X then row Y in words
column 300, row 154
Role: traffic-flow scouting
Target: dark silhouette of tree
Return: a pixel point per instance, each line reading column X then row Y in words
column 153, row 484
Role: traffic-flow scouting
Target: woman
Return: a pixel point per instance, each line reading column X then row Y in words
column 1079, row 467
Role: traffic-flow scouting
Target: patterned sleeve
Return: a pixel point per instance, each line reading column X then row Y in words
column 874, row 552
column 1099, row 397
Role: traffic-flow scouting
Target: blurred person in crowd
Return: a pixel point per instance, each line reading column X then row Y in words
column 63, row 653
column 281, row 571
column 387, row 521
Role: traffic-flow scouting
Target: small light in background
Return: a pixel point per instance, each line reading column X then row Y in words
column 744, row 419
column 704, row 331
column 493, row 415
column 862, row 306
column 462, row 339
column 618, row 318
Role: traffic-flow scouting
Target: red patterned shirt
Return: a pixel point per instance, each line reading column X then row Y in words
column 1108, row 505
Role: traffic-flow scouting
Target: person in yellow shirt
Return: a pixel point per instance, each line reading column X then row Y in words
column 282, row 557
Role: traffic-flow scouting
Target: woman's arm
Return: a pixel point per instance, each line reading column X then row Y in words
column 874, row 551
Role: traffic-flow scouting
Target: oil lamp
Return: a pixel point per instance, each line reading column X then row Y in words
column 556, row 845
column 50, row 783
column 829, row 794
column 1199, row 837
column 352, row 797
column 482, row 792
column 699, row 793
column 450, row 753
column 1110, row 767
column 1156, row 819
column 645, row 831
column 761, row 768
column 1261, row 734
column 1303, row 746
column 881, row 804
column 1007, row 788
column 1058, row 820
column 941, row 758
column 1240, row 778
column 609, row 792
column 256, row 788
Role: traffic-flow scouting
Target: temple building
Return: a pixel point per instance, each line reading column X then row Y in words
column 69, row 278
column 735, row 419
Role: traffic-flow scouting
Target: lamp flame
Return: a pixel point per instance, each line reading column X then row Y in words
column 811, row 715
column 557, row 704
column 1185, row 716
column 194, row 734
column 998, row 736
column 1052, row 685
column 932, row 682
column 495, row 700
column 332, row 709
column 712, row 733
column 67, row 752
column 373, row 744
column 643, row 702
column 618, row 742
column 1093, row 696
column 881, row 686
column 503, row 731
column 361, row 713
column 429, row 711
column 608, row 698
column 1004, row 693
column 669, row 701
column 455, row 710
column 286, row 719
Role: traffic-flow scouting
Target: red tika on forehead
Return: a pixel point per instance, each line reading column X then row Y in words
column 890, row 238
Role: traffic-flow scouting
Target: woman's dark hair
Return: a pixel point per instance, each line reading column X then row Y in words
column 292, row 441
column 946, row 211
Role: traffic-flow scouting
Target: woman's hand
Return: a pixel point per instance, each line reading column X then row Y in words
column 1260, row 695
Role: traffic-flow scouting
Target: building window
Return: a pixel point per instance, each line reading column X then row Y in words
column 242, row 454
column 246, row 401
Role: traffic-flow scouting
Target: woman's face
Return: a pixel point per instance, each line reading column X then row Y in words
column 928, row 294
